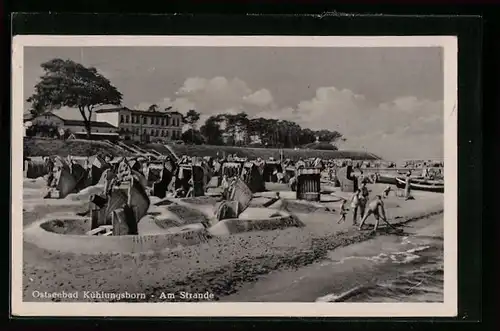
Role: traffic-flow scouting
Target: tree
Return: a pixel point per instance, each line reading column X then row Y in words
column 328, row 136
column 236, row 126
column 191, row 118
column 66, row 83
column 192, row 137
column 211, row 130
column 153, row 107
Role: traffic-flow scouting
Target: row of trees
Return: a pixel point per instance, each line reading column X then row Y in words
column 239, row 129
column 66, row 83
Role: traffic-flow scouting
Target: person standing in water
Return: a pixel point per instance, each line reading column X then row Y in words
column 408, row 186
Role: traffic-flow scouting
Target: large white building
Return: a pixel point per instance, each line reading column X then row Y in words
column 143, row 125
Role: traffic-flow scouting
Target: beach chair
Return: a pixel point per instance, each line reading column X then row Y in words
column 308, row 184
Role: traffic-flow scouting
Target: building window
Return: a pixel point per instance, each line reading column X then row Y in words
column 166, row 133
column 145, row 132
column 168, row 121
column 122, row 119
column 144, row 120
column 151, row 120
column 127, row 119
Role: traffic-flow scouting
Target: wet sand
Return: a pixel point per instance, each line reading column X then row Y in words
column 222, row 266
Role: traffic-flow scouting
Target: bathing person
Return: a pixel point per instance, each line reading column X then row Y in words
column 280, row 177
column 386, row 191
column 225, row 186
column 408, row 186
column 293, row 183
column 356, row 205
column 375, row 208
column 364, row 191
column 343, row 212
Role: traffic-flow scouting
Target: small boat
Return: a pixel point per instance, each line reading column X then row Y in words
column 387, row 179
column 421, row 185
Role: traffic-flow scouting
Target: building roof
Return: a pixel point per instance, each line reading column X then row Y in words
column 94, row 124
column 97, row 133
column 138, row 111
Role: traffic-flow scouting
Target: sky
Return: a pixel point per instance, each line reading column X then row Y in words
column 388, row 101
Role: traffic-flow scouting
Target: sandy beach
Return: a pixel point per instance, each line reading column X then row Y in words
column 225, row 266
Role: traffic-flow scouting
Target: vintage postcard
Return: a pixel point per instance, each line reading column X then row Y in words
column 234, row 176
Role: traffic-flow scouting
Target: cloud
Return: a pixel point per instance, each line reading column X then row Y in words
column 261, row 98
column 405, row 127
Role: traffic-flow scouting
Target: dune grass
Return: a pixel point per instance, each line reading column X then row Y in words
column 264, row 153
column 80, row 147
column 77, row 147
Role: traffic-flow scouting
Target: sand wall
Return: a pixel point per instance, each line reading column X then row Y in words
column 239, row 225
column 83, row 244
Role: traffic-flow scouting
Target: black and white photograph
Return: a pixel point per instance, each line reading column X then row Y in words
column 204, row 174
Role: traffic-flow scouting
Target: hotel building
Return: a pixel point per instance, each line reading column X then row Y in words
column 140, row 125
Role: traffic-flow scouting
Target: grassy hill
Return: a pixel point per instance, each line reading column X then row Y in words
column 76, row 147
column 265, row 153
column 79, row 147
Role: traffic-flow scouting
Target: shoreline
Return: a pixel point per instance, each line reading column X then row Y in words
column 220, row 266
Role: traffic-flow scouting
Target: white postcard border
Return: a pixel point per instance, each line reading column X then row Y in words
column 203, row 309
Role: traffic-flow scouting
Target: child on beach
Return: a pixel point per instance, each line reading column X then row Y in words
column 343, row 212
column 386, row 191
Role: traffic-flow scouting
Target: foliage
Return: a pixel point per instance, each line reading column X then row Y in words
column 240, row 130
column 153, row 107
column 191, row 118
column 45, row 147
column 212, row 132
column 192, row 137
column 66, row 83
column 43, row 130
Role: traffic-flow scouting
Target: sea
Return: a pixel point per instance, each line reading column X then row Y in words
column 404, row 267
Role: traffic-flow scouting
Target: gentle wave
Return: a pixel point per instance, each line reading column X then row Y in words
column 424, row 285
column 419, row 277
column 401, row 257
